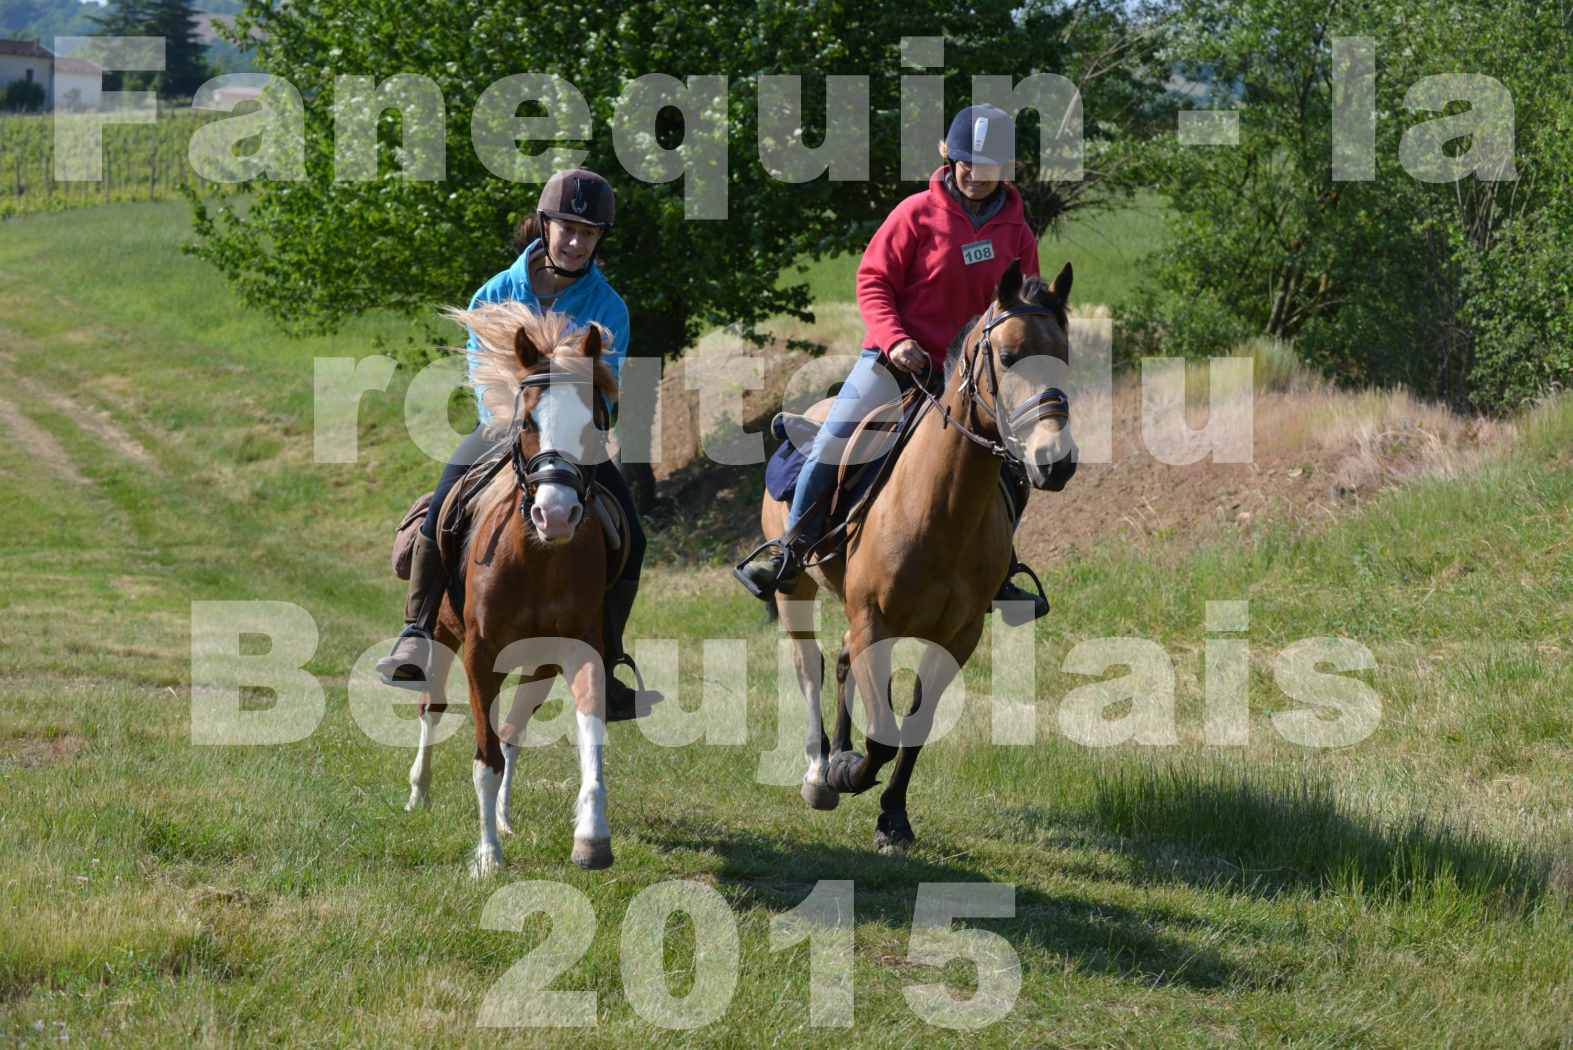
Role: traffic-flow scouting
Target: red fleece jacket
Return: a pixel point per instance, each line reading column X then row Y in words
column 927, row 271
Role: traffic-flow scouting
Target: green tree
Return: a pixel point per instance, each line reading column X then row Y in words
column 1396, row 279
column 314, row 252
column 185, row 68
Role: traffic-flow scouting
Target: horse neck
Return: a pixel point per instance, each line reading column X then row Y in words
column 951, row 475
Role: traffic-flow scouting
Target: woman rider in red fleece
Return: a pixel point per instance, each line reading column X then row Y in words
column 933, row 265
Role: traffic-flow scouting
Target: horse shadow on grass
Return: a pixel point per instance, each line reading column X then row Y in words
column 1265, row 835
column 1094, row 936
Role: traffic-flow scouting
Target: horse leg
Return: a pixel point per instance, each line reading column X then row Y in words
column 433, row 703
column 592, row 837
column 485, row 682
column 527, row 699
column 797, row 616
column 893, row 831
column 850, row 772
column 844, row 687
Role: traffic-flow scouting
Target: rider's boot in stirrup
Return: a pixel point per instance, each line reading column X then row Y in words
column 623, row 701
column 1021, row 606
column 407, row 664
column 765, row 574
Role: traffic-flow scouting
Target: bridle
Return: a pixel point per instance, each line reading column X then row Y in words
column 552, row 466
column 1050, row 403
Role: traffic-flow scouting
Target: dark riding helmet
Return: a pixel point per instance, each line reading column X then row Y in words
column 576, row 195
column 981, row 135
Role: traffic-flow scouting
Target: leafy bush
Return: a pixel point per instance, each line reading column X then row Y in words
column 23, row 96
column 1450, row 286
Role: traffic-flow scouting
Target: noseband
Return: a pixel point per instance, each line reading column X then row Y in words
column 1047, row 404
column 552, row 466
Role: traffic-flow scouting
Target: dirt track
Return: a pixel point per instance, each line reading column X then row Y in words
column 1317, row 452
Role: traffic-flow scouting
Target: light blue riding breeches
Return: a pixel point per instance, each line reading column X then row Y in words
column 870, row 384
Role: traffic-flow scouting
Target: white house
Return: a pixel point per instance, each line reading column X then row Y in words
column 79, row 84
column 71, row 83
column 26, row 60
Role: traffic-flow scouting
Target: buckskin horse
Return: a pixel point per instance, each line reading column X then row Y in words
column 534, row 566
column 927, row 558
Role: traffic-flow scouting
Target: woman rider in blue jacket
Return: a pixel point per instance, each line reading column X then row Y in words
column 556, row 271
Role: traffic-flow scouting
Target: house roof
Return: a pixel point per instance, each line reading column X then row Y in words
column 77, row 65
column 24, row 49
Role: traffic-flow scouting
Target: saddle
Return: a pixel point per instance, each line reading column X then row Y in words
column 866, row 461
column 458, row 514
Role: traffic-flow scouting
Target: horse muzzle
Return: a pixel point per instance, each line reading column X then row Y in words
column 1054, row 463
column 556, row 513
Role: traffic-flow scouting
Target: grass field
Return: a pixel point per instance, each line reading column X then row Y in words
column 1409, row 890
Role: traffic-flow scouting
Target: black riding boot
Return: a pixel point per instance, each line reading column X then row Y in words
column 623, row 701
column 407, row 664
column 1009, row 592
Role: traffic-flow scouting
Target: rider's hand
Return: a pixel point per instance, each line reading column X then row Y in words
column 909, row 356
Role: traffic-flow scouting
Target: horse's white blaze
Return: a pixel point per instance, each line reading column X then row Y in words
column 488, row 853
column 564, row 417
column 590, row 811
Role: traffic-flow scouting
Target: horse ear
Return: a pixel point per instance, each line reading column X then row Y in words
column 1062, row 285
column 529, row 356
column 592, row 340
column 1009, row 289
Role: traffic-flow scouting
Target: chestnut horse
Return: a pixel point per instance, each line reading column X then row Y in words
column 929, row 556
column 535, row 568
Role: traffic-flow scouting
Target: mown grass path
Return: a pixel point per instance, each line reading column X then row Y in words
column 1410, row 890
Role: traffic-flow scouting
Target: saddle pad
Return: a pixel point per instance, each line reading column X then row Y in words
column 404, row 535
column 797, row 432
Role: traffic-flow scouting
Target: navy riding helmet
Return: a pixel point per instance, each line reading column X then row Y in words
column 981, row 135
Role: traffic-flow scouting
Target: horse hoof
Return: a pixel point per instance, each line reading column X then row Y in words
column 893, row 834
column 840, row 770
column 504, row 828
column 592, row 854
column 487, row 861
column 820, row 796
column 418, row 800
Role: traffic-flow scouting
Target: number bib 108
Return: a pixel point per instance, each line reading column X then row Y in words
column 977, row 251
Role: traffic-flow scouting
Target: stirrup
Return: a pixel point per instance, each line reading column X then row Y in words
column 790, row 570
column 633, row 702
column 388, row 670
column 1011, row 612
column 627, row 661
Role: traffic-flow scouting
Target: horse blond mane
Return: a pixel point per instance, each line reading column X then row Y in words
column 497, row 370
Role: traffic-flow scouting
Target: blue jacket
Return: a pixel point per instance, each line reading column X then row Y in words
column 590, row 298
